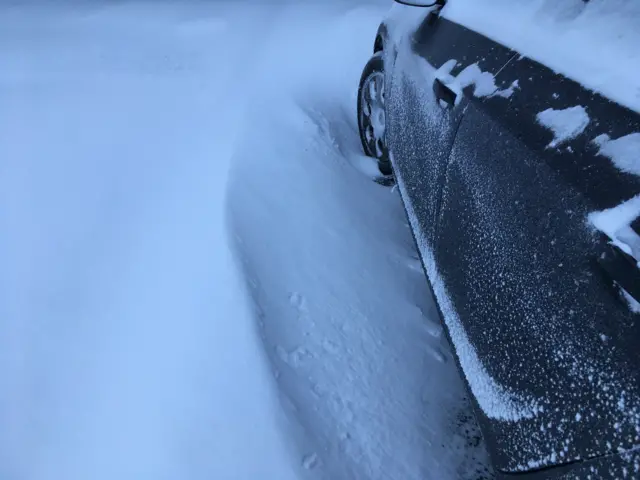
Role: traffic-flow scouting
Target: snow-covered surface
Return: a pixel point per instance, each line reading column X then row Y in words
column 128, row 342
column 127, row 348
column 496, row 401
column 566, row 124
column 594, row 43
column 402, row 18
column 353, row 334
column 483, row 83
column 615, row 223
column 624, row 151
column 507, row 92
column 634, row 305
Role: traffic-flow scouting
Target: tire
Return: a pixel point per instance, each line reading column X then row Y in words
column 373, row 147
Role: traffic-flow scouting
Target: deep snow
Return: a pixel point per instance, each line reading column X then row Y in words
column 127, row 347
column 353, row 335
column 200, row 278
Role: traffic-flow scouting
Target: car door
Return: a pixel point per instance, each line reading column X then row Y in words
column 423, row 105
column 530, row 290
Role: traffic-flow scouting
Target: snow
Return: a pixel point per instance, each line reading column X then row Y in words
column 443, row 73
column 351, row 330
column 594, row 43
column 566, row 124
column 403, row 18
column 496, row 401
column 624, row 151
column 612, row 220
column 483, row 82
column 200, row 278
column 634, row 305
column 128, row 350
column 616, row 224
column 507, row 92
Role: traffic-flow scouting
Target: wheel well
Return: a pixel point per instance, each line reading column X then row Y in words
column 378, row 46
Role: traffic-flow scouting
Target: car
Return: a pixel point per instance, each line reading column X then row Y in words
column 512, row 130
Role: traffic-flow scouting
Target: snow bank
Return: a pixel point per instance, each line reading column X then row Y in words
column 351, row 330
column 127, row 349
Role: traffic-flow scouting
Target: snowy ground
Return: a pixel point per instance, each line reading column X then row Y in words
column 200, row 278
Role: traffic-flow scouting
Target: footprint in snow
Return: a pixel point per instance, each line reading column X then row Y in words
column 437, row 354
column 330, row 346
column 310, row 461
column 295, row 358
column 298, row 302
column 415, row 264
column 433, row 327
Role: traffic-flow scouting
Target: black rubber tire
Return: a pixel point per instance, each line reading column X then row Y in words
column 374, row 65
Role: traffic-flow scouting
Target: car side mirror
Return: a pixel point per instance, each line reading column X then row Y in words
column 422, row 3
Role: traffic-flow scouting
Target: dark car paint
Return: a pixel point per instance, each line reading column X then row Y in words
column 528, row 230
column 506, row 217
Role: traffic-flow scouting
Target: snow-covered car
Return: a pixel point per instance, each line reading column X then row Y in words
column 512, row 129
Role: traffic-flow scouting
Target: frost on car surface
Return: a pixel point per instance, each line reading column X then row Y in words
column 503, row 180
column 496, row 401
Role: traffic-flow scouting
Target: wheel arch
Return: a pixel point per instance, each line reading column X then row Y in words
column 381, row 36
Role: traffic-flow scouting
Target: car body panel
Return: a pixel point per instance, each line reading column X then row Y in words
column 499, row 212
column 520, row 265
column 421, row 131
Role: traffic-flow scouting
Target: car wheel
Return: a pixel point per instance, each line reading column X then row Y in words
column 371, row 113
